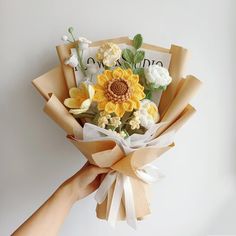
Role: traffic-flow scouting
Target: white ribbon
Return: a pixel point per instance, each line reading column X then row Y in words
column 135, row 141
column 122, row 184
column 148, row 174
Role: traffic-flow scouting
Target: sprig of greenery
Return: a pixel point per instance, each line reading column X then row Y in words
column 152, row 88
column 137, row 41
column 134, row 56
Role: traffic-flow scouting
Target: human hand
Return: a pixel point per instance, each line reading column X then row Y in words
column 84, row 182
column 50, row 216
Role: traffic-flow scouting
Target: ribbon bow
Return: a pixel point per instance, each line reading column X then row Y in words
column 148, row 174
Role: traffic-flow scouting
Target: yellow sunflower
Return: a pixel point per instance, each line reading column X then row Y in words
column 118, row 91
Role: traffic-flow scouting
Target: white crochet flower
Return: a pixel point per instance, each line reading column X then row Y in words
column 102, row 122
column 106, row 114
column 148, row 113
column 135, row 121
column 115, row 121
column 72, row 61
column 103, row 119
column 157, row 76
column 83, row 43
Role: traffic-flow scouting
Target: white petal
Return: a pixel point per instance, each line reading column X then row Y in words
column 77, row 111
column 84, row 40
column 64, row 38
column 86, row 104
column 72, row 61
column 91, row 91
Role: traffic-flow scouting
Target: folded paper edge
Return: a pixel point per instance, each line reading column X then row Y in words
column 52, row 81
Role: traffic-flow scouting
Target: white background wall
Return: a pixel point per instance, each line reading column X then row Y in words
column 197, row 197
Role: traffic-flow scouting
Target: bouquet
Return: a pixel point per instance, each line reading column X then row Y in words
column 120, row 101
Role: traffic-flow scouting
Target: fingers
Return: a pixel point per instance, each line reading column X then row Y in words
column 97, row 170
column 90, row 188
column 94, row 185
column 94, row 169
column 89, row 174
column 85, row 166
column 86, row 180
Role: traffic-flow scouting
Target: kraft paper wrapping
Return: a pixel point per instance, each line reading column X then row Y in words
column 187, row 113
column 52, row 82
column 189, row 87
column 174, row 108
column 57, row 111
column 176, row 69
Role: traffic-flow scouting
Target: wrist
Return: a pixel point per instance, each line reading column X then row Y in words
column 67, row 191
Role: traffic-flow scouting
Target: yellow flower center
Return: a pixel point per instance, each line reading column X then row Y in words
column 152, row 111
column 118, row 90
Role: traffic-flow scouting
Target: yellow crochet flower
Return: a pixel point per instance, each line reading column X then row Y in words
column 118, row 91
column 109, row 53
column 80, row 98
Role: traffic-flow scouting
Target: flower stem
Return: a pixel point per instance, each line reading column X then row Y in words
column 82, row 67
column 80, row 59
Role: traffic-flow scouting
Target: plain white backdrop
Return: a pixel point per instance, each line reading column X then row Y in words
column 197, row 197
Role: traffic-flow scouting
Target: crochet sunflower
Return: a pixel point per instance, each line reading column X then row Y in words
column 118, row 91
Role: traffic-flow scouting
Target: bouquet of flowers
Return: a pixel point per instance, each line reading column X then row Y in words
column 120, row 102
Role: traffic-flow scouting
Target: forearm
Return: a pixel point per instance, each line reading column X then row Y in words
column 50, row 216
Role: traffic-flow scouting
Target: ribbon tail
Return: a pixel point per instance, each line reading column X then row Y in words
column 102, row 191
column 116, row 200
column 149, row 173
column 129, row 203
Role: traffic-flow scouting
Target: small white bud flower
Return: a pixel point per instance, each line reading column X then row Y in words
column 64, row 38
column 92, row 69
column 72, row 61
column 83, row 43
column 115, row 121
